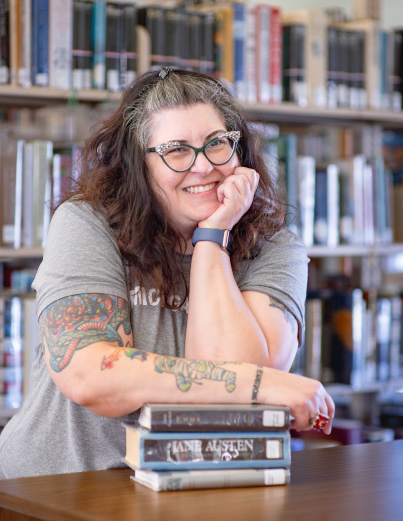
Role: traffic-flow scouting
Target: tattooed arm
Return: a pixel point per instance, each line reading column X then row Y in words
column 90, row 355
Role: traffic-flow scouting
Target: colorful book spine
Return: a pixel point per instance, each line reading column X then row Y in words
column 40, row 37
column 113, row 46
column 98, row 38
column 60, row 43
column 161, row 417
column 205, row 479
column 206, row 450
column 275, row 55
column 239, row 35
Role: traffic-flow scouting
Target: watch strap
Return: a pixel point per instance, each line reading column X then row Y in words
column 221, row 237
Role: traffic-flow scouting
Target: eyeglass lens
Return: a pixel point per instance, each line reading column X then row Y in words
column 218, row 152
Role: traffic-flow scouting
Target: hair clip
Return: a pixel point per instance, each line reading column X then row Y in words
column 164, row 72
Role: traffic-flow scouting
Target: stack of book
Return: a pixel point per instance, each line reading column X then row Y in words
column 177, row 447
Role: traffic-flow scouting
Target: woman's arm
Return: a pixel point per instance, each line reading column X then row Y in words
column 223, row 322
column 90, row 356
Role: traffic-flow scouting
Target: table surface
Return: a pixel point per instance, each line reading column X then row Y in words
column 348, row 483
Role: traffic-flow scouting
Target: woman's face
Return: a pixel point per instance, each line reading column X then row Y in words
column 191, row 196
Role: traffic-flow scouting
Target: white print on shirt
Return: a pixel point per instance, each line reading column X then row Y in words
column 151, row 297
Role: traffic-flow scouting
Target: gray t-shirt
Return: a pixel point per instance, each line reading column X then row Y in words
column 51, row 434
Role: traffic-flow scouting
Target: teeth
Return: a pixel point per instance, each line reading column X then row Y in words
column 198, row 189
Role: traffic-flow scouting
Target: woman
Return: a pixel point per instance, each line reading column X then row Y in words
column 139, row 285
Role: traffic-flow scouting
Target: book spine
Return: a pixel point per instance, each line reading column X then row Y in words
column 113, row 46
column 82, row 51
column 263, row 53
column 250, row 54
column 332, row 77
column 241, row 451
column 252, row 420
column 153, row 19
column 14, row 40
column 316, row 58
column 4, row 41
column 27, row 194
column 343, row 94
column 24, row 71
column 129, row 53
column 195, row 26
column 11, row 353
column 40, row 37
column 207, row 58
column 333, row 205
column 321, row 207
column 239, row 37
column 60, row 43
column 98, row 33
column 42, row 190
column 397, row 70
column 191, row 480
column 275, row 55
column 306, row 198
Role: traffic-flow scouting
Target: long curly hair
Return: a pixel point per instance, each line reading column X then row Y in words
column 114, row 179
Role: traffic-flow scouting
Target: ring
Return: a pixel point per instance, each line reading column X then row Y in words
column 319, row 421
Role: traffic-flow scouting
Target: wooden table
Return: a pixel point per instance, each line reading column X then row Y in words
column 350, row 483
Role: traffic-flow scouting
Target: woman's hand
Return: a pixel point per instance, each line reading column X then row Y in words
column 235, row 195
column 304, row 396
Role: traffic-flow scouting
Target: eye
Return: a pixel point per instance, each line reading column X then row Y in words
column 176, row 150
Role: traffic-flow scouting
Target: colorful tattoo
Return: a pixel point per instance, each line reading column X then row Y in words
column 274, row 303
column 77, row 321
column 108, row 361
column 256, row 383
column 189, row 371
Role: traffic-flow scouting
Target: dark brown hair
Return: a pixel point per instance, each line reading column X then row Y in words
column 115, row 180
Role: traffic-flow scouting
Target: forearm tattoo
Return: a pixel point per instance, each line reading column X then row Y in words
column 188, row 372
column 256, row 383
column 77, row 321
column 274, row 303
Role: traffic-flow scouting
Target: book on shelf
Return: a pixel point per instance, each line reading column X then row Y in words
column 98, row 39
column 371, row 61
column 152, row 18
column 312, row 30
column 4, row 41
column 113, row 46
column 327, row 206
column 128, row 64
column 306, row 198
column 210, row 417
column 60, row 43
column 82, row 50
column 14, row 31
column 204, row 479
column 11, row 159
column 263, row 25
column 40, row 36
column 295, row 86
column 206, row 450
column 25, row 47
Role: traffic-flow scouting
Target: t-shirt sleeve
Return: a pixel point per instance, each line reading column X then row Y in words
column 280, row 271
column 81, row 256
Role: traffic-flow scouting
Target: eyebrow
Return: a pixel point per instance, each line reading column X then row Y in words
column 207, row 138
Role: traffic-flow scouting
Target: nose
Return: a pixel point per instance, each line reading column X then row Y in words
column 202, row 165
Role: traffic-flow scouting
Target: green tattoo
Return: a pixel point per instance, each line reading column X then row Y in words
column 189, row 371
column 77, row 321
column 256, row 383
column 274, row 303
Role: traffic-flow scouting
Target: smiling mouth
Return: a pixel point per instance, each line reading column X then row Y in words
column 200, row 188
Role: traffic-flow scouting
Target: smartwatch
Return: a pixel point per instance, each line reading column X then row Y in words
column 221, row 237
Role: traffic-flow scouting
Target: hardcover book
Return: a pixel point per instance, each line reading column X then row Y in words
column 206, row 450
column 171, row 417
column 200, row 479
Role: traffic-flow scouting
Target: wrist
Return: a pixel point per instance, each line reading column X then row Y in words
column 221, row 237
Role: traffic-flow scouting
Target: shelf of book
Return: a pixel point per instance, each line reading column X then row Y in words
column 282, row 112
column 15, row 95
column 353, row 250
column 22, row 253
column 293, row 113
column 346, row 250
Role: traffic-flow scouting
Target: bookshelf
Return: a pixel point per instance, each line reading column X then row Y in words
column 285, row 114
